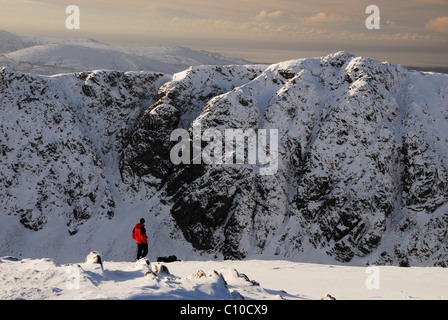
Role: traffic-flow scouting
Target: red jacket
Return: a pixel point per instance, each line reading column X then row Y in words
column 139, row 233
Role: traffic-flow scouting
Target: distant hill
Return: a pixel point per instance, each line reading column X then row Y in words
column 429, row 69
column 49, row 56
column 10, row 42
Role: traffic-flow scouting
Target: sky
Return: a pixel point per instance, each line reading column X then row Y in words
column 411, row 32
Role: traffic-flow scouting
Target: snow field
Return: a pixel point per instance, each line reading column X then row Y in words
column 43, row 279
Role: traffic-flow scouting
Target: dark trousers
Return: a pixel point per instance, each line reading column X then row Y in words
column 142, row 250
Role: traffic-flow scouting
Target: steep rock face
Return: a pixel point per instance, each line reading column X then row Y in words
column 146, row 160
column 201, row 196
column 60, row 138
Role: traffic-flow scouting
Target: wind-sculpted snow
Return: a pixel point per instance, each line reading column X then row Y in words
column 362, row 166
column 40, row 279
column 45, row 279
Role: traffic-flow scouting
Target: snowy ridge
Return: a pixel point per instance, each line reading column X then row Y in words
column 362, row 173
column 11, row 42
column 48, row 56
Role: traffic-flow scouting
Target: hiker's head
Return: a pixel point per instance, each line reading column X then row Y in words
column 142, row 221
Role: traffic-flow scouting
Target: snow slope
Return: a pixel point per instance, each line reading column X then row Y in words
column 64, row 58
column 37, row 279
column 48, row 56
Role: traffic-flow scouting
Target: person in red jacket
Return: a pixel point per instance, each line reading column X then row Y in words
column 139, row 235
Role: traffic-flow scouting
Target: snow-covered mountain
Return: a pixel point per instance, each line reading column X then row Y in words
column 10, row 42
column 362, row 166
column 49, row 56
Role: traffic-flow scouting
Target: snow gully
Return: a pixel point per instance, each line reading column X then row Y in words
column 262, row 149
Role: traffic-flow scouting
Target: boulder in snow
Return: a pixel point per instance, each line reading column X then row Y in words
column 151, row 274
column 94, row 257
column 200, row 274
column 160, row 269
column 143, row 263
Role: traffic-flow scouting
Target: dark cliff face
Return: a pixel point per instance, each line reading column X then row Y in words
column 60, row 140
column 199, row 213
column 362, row 167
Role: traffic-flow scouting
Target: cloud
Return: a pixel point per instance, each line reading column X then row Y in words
column 438, row 25
column 25, row 2
column 323, row 17
column 169, row 13
column 263, row 15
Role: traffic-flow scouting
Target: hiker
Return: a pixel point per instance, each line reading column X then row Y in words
column 139, row 235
